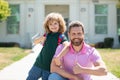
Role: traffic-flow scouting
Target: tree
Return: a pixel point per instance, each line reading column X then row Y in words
column 118, row 4
column 4, row 10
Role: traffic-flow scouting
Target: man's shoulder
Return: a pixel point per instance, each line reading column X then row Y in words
column 89, row 48
column 58, row 49
column 60, row 46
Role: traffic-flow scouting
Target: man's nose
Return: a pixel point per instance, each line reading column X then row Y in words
column 76, row 36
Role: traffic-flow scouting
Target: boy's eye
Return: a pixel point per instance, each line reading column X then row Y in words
column 50, row 24
column 55, row 23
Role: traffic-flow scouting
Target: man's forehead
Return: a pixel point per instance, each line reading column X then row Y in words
column 78, row 29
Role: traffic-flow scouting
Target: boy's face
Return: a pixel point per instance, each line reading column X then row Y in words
column 53, row 26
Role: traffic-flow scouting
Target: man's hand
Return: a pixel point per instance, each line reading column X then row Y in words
column 77, row 78
column 98, row 70
column 77, row 68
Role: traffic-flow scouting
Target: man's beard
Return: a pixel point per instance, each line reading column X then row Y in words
column 76, row 41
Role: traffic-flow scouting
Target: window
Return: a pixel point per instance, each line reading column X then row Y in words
column 101, row 12
column 14, row 20
column 118, row 20
column 118, row 23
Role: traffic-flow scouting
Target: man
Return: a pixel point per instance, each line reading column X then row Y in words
column 81, row 61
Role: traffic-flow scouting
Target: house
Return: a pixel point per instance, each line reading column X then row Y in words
column 100, row 17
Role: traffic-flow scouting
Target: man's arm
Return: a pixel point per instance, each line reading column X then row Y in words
column 62, row 72
column 99, row 69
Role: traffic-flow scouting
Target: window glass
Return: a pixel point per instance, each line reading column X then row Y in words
column 101, row 19
column 101, row 29
column 118, row 20
column 118, row 11
column 14, row 20
column 100, row 9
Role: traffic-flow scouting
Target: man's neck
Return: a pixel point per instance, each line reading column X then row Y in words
column 77, row 48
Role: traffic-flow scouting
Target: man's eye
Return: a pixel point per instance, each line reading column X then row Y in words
column 73, row 34
column 79, row 34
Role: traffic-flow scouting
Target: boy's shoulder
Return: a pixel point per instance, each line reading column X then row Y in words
column 61, row 35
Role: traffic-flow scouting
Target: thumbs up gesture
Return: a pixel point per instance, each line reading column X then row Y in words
column 77, row 68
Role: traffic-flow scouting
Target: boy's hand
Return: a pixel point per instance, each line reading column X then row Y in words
column 39, row 40
column 57, row 61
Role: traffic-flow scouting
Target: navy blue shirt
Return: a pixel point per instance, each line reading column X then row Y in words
column 44, row 58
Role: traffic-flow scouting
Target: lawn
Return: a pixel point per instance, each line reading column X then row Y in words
column 112, row 60
column 10, row 55
column 110, row 56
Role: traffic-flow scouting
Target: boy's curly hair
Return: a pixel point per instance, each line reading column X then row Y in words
column 55, row 17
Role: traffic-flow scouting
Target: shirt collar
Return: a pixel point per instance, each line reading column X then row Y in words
column 82, row 51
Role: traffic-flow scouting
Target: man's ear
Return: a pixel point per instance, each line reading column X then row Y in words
column 68, row 35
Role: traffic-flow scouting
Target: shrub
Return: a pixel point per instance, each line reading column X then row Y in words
column 9, row 44
column 99, row 45
column 92, row 45
column 108, row 42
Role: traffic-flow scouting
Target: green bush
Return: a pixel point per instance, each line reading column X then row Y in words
column 9, row 44
column 108, row 42
column 99, row 45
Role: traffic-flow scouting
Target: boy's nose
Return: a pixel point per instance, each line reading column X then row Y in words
column 53, row 25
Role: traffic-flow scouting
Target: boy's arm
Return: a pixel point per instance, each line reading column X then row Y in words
column 65, row 49
column 62, row 53
column 39, row 40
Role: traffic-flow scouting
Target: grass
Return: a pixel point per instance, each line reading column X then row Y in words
column 110, row 56
column 112, row 60
column 10, row 55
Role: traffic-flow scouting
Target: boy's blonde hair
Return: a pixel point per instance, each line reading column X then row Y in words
column 55, row 17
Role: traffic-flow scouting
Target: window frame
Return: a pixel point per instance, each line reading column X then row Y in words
column 100, row 15
column 118, row 22
column 17, row 22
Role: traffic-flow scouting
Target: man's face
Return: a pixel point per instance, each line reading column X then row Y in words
column 76, row 36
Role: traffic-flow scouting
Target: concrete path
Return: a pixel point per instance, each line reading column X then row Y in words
column 19, row 70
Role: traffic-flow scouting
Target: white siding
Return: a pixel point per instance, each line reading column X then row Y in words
column 31, row 22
